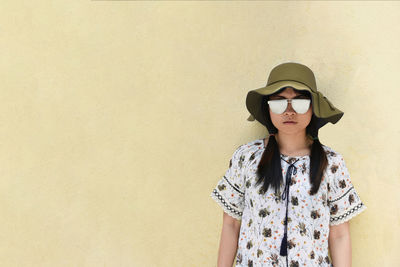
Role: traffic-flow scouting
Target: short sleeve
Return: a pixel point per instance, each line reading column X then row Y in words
column 230, row 189
column 343, row 200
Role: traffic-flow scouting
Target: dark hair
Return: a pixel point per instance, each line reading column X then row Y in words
column 269, row 168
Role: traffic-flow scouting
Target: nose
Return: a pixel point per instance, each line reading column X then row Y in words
column 289, row 108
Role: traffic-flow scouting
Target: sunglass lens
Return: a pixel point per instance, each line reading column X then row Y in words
column 278, row 106
column 301, row 105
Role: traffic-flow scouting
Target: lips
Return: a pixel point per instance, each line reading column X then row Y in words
column 290, row 122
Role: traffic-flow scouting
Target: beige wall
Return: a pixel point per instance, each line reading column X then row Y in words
column 118, row 118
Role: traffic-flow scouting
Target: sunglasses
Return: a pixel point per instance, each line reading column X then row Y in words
column 279, row 106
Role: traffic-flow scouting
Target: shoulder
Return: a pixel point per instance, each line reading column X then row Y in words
column 248, row 148
column 335, row 158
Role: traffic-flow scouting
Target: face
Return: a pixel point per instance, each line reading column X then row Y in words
column 301, row 121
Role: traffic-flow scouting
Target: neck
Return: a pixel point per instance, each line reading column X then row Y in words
column 293, row 144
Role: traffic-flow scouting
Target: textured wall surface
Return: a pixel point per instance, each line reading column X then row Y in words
column 118, row 117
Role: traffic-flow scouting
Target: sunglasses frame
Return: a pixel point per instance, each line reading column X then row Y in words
column 287, row 103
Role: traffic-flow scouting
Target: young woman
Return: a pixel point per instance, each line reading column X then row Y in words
column 287, row 199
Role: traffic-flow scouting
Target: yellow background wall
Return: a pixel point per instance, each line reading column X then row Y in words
column 117, row 118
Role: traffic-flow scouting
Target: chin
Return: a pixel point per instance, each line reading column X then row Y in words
column 292, row 128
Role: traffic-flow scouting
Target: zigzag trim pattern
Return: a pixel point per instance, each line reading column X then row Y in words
column 234, row 187
column 339, row 198
column 225, row 206
column 348, row 215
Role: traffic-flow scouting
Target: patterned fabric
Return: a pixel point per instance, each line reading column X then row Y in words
column 262, row 214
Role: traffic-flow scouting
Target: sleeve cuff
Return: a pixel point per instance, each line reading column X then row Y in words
column 335, row 220
column 225, row 206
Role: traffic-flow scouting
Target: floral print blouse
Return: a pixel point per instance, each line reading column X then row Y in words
column 263, row 215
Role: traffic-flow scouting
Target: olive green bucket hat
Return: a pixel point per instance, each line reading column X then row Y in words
column 299, row 77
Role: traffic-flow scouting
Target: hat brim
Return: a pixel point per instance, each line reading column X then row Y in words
column 322, row 108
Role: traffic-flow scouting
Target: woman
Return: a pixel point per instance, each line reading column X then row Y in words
column 287, row 199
